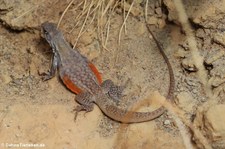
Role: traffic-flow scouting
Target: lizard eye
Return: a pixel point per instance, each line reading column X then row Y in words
column 46, row 34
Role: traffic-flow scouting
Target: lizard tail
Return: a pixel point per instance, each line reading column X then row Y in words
column 170, row 69
column 129, row 116
column 136, row 117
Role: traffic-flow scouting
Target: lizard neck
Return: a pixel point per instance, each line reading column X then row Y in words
column 63, row 48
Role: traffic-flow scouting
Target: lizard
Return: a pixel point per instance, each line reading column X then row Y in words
column 81, row 77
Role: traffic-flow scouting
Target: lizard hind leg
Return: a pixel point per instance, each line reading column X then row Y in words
column 86, row 103
column 112, row 90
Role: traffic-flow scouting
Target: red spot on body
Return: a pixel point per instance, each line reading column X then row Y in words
column 70, row 85
column 96, row 72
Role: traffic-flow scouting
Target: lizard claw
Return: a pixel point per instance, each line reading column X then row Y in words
column 77, row 110
column 46, row 76
column 82, row 108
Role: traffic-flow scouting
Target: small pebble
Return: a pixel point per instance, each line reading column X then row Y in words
column 167, row 122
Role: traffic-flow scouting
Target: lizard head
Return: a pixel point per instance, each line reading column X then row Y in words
column 50, row 31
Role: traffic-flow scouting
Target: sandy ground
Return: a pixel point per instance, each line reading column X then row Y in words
column 33, row 112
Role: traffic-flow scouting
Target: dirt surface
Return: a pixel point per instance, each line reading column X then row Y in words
column 40, row 113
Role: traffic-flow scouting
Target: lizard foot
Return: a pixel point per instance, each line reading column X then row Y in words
column 81, row 108
column 46, row 76
column 86, row 103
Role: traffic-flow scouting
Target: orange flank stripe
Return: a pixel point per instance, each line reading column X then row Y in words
column 70, row 85
column 96, row 72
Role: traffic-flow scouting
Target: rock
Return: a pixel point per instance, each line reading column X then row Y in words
column 158, row 3
column 136, row 1
column 140, row 28
column 181, row 53
column 152, row 20
column 213, row 56
column 158, row 11
column 87, row 38
column 6, row 6
column 188, row 64
column 161, row 23
column 215, row 120
column 167, row 122
column 200, row 33
column 216, row 81
column 92, row 50
column 5, row 79
column 208, row 15
column 172, row 16
column 135, row 11
column 16, row 12
column 28, row 15
column 219, row 38
column 185, row 101
column 214, row 123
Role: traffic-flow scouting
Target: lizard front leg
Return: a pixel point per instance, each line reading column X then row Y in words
column 51, row 73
